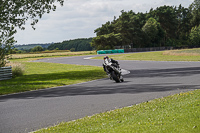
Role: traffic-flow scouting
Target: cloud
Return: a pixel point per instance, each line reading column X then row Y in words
column 79, row 19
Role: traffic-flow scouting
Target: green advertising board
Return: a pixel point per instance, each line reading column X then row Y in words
column 110, row 51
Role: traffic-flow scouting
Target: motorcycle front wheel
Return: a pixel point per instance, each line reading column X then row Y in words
column 115, row 77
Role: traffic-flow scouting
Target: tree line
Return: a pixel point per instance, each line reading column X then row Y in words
column 163, row 26
column 29, row 46
column 34, row 48
column 82, row 44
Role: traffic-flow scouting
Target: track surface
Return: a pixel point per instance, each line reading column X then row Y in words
column 147, row 80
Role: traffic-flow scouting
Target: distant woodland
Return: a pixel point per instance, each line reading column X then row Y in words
column 82, row 44
column 73, row 45
column 30, row 46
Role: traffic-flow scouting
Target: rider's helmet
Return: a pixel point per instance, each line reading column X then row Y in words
column 106, row 57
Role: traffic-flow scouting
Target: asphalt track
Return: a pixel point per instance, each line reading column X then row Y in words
column 147, row 80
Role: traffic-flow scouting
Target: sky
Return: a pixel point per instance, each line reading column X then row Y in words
column 79, row 18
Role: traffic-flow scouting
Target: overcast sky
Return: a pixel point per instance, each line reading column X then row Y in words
column 79, row 18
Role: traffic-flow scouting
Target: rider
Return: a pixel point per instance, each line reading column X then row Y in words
column 114, row 62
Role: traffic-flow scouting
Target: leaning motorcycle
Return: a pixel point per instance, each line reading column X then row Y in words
column 115, row 72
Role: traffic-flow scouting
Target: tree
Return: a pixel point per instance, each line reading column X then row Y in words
column 72, row 49
column 37, row 48
column 106, row 28
column 184, row 26
column 15, row 13
column 125, row 26
column 6, row 43
column 126, row 30
column 137, row 36
column 195, row 36
column 151, row 28
column 154, row 31
column 107, row 41
column 195, row 10
column 167, row 18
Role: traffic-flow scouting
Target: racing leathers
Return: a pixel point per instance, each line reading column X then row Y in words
column 114, row 62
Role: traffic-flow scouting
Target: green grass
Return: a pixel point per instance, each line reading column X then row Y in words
column 189, row 55
column 192, row 51
column 62, row 53
column 45, row 75
column 172, row 114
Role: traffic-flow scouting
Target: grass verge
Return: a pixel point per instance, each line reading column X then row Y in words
column 173, row 55
column 45, row 75
column 177, row 113
column 54, row 54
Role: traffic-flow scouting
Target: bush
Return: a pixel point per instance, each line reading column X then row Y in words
column 72, row 49
column 17, row 69
column 195, row 36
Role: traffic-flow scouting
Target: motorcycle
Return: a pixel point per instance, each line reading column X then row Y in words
column 114, row 71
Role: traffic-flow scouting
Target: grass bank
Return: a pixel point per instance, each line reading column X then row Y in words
column 172, row 55
column 177, row 113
